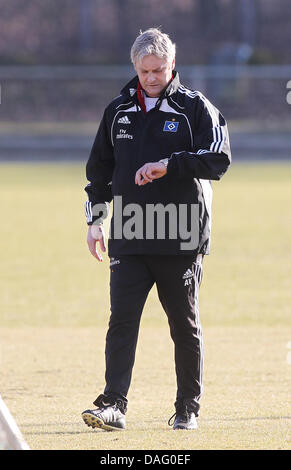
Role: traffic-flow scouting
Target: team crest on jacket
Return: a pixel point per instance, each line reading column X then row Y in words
column 171, row 126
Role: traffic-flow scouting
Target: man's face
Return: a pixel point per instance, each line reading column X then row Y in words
column 154, row 74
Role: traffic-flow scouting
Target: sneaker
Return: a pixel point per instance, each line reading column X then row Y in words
column 184, row 419
column 109, row 415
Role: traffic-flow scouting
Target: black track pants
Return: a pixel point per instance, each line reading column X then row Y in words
column 177, row 279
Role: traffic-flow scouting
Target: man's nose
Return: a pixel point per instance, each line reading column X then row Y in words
column 151, row 78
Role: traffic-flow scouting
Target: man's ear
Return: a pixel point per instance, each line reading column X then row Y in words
column 174, row 63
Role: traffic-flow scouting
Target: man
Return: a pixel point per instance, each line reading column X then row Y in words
column 158, row 147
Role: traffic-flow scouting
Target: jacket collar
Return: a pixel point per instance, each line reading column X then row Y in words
column 130, row 89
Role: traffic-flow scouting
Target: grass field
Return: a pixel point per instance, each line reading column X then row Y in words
column 55, row 308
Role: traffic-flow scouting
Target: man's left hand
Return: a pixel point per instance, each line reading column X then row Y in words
column 149, row 172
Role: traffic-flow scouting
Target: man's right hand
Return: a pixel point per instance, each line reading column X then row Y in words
column 96, row 235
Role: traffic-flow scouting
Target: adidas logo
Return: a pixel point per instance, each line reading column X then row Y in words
column 188, row 274
column 124, row 120
column 114, row 261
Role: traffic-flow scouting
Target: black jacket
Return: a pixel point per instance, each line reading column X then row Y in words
column 184, row 127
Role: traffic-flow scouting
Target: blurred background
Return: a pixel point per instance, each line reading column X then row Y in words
column 62, row 61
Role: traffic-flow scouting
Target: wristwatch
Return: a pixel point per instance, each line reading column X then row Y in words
column 165, row 161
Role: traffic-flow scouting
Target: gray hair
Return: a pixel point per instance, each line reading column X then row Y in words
column 152, row 41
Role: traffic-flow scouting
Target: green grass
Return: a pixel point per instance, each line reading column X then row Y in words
column 48, row 277
column 50, row 375
column 55, row 306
